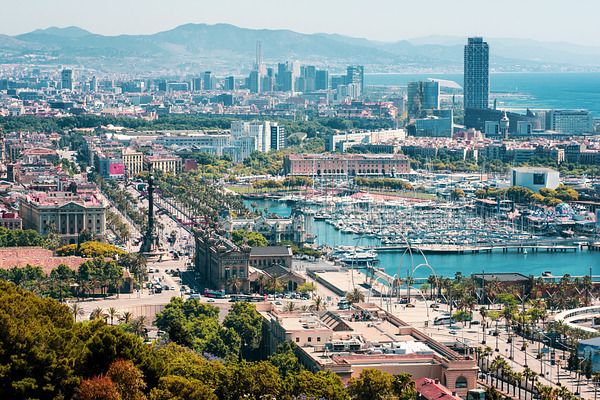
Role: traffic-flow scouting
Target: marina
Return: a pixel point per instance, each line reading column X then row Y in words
column 561, row 255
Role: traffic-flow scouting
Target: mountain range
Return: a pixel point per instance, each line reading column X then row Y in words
column 228, row 49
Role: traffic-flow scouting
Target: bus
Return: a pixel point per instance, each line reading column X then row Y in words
column 443, row 320
column 250, row 298
column 215, row 294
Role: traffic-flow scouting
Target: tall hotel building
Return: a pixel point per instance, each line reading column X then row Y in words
column 477, row 74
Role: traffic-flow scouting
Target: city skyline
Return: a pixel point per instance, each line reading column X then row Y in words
column 556, row 22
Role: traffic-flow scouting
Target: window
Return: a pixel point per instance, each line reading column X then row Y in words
column 309, row 339
column 461, row 383
column 297, row 340
column 318, row 338
column 539, row 179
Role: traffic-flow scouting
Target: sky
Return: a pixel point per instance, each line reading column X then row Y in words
column 383, row 20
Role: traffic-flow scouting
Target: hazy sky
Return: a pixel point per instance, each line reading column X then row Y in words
column 386, row 20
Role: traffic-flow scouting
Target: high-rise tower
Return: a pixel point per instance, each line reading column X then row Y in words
column 67, row 79
column 477, row 74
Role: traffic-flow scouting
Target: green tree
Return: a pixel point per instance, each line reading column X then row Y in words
column 373, row 384
column 254, row 239
column 174, row 387
column 321, row 385
column 285, row 360
column 247, row 323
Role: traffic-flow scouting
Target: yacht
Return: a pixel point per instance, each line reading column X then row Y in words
column 360, row 259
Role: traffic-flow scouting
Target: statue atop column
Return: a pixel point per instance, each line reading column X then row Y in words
column 150, row 242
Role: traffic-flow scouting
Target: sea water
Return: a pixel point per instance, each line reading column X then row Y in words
column 542, row 90
column 446, row 265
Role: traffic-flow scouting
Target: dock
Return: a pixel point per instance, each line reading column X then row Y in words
column 485, row 248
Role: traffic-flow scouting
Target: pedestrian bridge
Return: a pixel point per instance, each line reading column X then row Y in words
column 570, row 317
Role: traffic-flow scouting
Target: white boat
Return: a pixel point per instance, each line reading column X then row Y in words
column 360, row 259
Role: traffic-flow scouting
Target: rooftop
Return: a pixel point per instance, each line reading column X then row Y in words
column 271, row 251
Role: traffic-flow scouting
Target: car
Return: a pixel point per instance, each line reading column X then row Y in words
column 434, row 306
column 210, row 300
column 475, row 322
column 277, row 303
column 453, row 332
column 410, row 305
column 165, row 287
column 195, row 296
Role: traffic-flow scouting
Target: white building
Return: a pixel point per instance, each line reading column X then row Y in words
column 534, row 178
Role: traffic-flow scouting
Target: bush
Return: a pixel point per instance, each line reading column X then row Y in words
column 90, row 250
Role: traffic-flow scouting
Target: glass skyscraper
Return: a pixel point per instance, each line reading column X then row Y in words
column 477, row 74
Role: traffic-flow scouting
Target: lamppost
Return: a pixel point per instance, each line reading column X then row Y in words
column 558, row 362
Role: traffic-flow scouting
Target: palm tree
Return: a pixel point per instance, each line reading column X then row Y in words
column 138, row 326
column 495, row 366
column 234, row 282
column 432, row 281
column 486, row 353
column 318, row 304
column 77, row 311
column 274, row 284
column 519, row 379
column 529, row 375
column 261, row 281
column 97, row 313
column 126, row 317
column 355, row 296
column 112, row 314
column 483, row 311
column 289, row 307
column 404, row 386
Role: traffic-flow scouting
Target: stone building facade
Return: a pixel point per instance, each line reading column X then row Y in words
column 217, row 260
column 66, row 212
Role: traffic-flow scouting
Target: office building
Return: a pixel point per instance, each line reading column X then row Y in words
column 478, row 118
column 277, row 136
column 209, row 81
column 67, row 79
column 534, row 178
column 230, row 83
column 259, row 130
column 255, row 82
column 574, row 122
column 322, row 80
column 492, row 128
column 93, row 85
column 197, row 83
column 422, row 96
column 476, row 74
column 356, row 74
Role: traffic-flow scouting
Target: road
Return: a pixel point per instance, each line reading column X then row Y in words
column 473, row 336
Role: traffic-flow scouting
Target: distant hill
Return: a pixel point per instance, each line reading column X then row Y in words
column 226, row 48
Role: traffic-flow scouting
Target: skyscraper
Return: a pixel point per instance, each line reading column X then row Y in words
column 322, row 80
column 255, row 82
column 477, row 74
column 422, row 96
column 67, row 79
column 355, row 74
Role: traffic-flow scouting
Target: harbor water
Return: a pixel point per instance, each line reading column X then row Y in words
column 574, row 263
